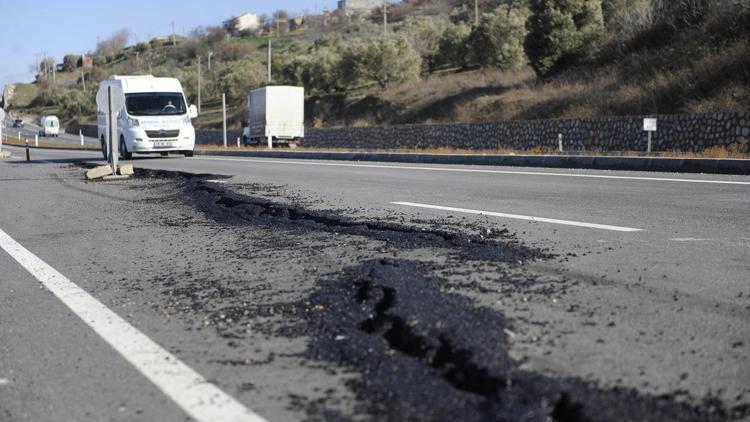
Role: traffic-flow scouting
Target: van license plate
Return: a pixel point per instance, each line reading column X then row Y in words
column 163, row 144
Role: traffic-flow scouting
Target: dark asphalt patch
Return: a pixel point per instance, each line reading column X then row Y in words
column 428, row 355
column 423, row 354
column 227, row 207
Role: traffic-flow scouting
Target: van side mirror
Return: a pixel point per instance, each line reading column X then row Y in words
column 193, row 111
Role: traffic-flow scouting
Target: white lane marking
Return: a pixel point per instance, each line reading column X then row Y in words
column 466, row 170
column 521, row 217
column 3, row 381
column 202, row 400
column 689, row 239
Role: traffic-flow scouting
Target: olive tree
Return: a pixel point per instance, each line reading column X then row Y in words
column 561, row 32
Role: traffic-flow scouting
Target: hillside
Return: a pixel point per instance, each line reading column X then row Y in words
column 437, row 66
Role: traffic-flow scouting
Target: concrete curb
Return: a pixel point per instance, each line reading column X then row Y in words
column 675, row 165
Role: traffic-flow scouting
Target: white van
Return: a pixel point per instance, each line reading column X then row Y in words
column 154, row 118
column 49, row 126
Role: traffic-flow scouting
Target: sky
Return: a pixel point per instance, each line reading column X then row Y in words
column 58, row 27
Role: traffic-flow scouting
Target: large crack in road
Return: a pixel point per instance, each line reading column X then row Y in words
column 421, row 353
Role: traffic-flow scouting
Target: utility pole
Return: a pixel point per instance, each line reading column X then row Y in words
column 199, row 84
column 278, row 24
column 83, row 80
column 210, row 53
column 173, row 39
column 385, row 17
column 270, row 47
column 476, row 12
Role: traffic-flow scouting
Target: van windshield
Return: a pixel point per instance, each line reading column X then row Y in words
column 155, row 104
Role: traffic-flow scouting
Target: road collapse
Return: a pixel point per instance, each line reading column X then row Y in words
column 423, row 353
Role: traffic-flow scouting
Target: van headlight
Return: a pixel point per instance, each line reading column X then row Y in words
column 133, row 122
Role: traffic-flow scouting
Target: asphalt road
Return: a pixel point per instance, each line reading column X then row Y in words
column 30, row 129
column 640, row 280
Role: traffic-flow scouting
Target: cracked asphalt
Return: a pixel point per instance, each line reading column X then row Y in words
column 304, row 293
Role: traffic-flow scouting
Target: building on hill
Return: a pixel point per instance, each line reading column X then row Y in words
column 357, row 7
column 86, row 62
column 242, row 23
column 168, row 39
column 296, row 23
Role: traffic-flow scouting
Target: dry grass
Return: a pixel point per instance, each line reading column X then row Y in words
column 14, row 141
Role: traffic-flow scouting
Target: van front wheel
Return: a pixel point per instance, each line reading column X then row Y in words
column 188, row 153
column 124, row 154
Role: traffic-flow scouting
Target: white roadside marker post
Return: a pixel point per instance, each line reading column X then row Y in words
column 36, row 140
column 270, row 142
column 559, row 141
column 649, row 125
column 224, row 114
column 80, row 134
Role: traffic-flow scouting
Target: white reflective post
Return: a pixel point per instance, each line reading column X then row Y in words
column 649, row 125
column 224, row 114
column 112, row 132
column 80, row 134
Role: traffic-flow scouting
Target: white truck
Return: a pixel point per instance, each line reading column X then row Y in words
column 49, row 126
column 154, row 117
column 276, row 114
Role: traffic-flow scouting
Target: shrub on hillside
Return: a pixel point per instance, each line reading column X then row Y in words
column 387, row 60
column 317, row 71
column 453, row 50
column 498, row 40
column 561, row 33
column 113, row 46
column 70, row 62
column 424, row 33
column 236, row 79
column 232, row 51
column 74, row 103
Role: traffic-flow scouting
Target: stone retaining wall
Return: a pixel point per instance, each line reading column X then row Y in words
column 675, row 133
column 689, row 132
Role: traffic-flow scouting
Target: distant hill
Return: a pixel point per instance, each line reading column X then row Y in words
column 437, row 65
